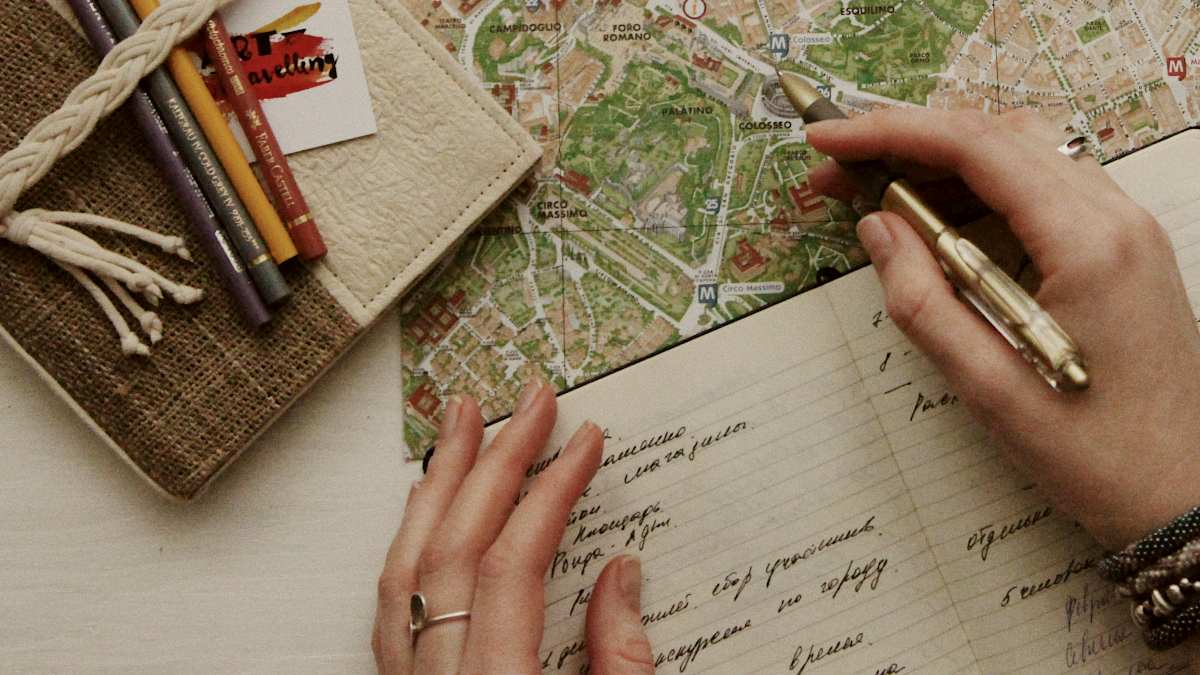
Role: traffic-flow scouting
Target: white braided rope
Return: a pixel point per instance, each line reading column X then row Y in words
column 118, row 74
column 64, row 130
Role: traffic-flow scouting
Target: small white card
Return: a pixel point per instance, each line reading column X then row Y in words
column 303, row 61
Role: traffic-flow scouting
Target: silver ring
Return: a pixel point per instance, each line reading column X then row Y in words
column 420, row 619
column 1075, row 147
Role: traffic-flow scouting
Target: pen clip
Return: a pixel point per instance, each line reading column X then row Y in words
column 1017, row 316
column 1014, row 338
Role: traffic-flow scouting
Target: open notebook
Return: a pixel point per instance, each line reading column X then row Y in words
column 807, row 496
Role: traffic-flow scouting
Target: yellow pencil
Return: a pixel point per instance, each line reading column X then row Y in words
column 191, row 83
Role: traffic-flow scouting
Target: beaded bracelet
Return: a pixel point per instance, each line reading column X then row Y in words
column 1162, row 542
column 1182, row 564
column 1156, row 574
column 1176, row 630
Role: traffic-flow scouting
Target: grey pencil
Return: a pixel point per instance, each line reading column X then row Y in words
column 200, row 216
column 199, row 156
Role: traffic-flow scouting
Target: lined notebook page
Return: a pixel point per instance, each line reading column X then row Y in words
column 772, row 520
column 806, row 496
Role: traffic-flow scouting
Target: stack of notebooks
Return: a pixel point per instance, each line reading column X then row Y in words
column 389, row 205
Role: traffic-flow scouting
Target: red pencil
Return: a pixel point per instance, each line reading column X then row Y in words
column 271, row 160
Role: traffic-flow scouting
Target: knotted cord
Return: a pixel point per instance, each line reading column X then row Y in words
column 62, row 131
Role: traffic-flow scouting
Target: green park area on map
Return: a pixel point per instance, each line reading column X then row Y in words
column 673, row 195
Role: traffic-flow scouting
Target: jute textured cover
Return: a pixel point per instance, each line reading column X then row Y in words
column 212, row 386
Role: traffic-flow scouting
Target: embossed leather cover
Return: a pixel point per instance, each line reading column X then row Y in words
column 446, row 153
column 389, row 206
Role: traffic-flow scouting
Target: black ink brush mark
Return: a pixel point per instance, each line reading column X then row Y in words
column 897, row 388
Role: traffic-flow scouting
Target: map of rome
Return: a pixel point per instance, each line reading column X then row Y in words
column 673, row 195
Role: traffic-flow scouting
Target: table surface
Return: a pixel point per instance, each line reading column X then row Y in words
column 272, row 571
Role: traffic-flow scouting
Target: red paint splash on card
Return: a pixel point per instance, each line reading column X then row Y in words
column 295, row 62
column 280, row 58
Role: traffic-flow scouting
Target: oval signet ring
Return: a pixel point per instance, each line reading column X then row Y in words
column 420, row 619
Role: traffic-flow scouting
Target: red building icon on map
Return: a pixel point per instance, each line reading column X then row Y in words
column 806, row 199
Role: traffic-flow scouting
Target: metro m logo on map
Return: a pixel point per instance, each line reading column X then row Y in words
column 1177, row 67
column 778, row 44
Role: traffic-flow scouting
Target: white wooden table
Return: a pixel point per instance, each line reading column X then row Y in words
column 272, row 571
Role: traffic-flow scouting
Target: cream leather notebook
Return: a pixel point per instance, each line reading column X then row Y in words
column 808, row 497
column 390, row 205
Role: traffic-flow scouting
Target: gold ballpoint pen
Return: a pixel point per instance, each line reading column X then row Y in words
column 1011, row 310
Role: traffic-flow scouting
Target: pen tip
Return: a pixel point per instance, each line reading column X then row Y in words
column 792, row 79
column 1076, row 376
column 799, row 91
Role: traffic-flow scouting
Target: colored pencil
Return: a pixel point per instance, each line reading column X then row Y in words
column 206, row 168
column 273, row 164
column 191, row 83
column 200, row 216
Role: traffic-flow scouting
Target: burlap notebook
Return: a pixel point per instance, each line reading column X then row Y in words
column 390, row 206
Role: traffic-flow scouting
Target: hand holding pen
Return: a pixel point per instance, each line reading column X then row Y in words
column 1121, row 457
column 1031, row 330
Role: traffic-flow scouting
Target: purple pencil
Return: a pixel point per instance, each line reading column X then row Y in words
column 199, row 213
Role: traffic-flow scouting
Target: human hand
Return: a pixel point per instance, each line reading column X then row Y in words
column 1122, row 457
column 464, row 546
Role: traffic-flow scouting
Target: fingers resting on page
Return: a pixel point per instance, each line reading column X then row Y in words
column 466, row 543
column 1120, row 457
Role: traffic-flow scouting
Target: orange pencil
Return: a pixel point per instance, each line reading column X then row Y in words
column 190, row 82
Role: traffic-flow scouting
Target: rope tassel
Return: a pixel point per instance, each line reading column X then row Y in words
column 47, row 233
column 60, row 132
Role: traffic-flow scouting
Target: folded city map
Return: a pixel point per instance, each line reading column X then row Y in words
column 673, row 196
